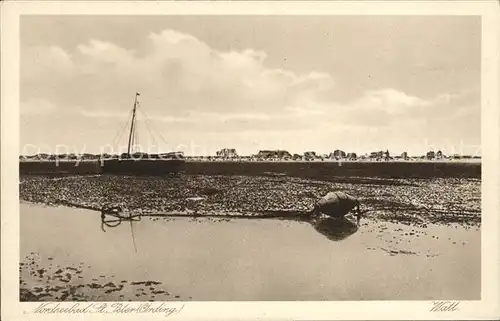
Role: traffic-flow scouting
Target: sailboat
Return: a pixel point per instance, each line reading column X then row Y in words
column 141, row 163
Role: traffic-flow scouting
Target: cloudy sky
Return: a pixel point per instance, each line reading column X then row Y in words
column 298, row 83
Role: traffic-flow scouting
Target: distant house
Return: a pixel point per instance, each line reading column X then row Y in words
column 227, row 153
column 439, row 154
column 171, row 155
column 404, row 155
column 283, row 154
column 377, row 155
column 274, row 154
column 265, row 154
column 297, row 157
column 309, row 155
column 338, row 154
column 430, row 155
column 352, row 156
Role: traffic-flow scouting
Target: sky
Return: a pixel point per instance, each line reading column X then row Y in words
column 298, row 83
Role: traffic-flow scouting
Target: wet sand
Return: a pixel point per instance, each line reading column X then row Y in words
column 66, row 256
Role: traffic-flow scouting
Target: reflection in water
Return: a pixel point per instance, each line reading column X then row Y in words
column 245, row 259
column 335, row 229
column 113, row 216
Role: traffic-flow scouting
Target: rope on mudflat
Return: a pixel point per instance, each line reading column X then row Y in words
column 117, row 213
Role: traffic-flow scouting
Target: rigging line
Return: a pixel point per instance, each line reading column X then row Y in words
column 136, row 131
column 129, row 117
column 136, row 137
column 130, row 143
column 132, row 137
column 135, row 134
column 121, row 131
column 118, row 133
column 116, row 142
column 149, row 129
column 147, row 118
column 159, row 134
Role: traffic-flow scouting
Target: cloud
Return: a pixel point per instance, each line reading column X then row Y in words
column 188, row 87
column 380, row 107
column 37, row 61
column 175, row 72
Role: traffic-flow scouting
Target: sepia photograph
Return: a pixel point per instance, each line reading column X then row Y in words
column 249, row 157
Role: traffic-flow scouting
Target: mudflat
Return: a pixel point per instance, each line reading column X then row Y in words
column 419, row 239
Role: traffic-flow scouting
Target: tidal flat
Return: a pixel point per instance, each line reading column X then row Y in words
column 419, row 240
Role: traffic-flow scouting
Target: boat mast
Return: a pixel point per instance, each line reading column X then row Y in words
column 132, row 125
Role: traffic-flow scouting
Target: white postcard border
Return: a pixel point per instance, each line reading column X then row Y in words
column 487, row 307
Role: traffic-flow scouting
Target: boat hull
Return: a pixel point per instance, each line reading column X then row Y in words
column 148, row 167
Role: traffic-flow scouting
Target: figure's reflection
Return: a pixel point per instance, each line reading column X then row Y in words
column 335, row 229
column 113, row 216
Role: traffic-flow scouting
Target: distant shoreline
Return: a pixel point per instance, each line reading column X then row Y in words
column 323, row 170
column 190, row 160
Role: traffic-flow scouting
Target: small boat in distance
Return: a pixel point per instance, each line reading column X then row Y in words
column 139, row 163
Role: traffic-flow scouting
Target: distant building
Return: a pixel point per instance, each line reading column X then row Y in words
column 309, row 155
column 352, row 156
column 283, row 154
column 430, row 155
column 227, row 153
column 171, row 155
column 404, row 155
column 297, row 157
column 377, row 155
column 264, row 154
column 439, row 154
column 274, row 154
column 338, row 154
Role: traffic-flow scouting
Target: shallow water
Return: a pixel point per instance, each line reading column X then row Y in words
column 207, row 259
